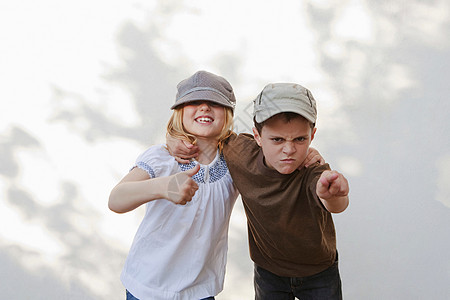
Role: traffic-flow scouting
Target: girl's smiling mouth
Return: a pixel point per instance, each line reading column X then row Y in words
column 204, row 120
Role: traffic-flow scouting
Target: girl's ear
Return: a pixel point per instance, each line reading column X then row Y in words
column 257, row 136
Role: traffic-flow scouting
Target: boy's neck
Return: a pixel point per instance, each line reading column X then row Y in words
column 207, row 151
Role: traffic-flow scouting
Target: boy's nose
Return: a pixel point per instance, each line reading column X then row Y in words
column 289, row 148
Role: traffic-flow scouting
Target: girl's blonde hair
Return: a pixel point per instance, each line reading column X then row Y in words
column 176, row 129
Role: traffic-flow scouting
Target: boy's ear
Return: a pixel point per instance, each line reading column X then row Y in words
column 313, row 133
column 257, row 136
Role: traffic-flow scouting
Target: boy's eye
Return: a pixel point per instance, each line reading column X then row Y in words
column 277, row 140
column 300, row 139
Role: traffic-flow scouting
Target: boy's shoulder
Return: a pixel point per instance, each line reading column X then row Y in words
column 242, row 140
column 240, row 145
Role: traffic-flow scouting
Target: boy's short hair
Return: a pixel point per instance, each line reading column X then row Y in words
column 278, row 98
column 286, row 116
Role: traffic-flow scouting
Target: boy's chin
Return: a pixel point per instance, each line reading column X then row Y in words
column 286, row 170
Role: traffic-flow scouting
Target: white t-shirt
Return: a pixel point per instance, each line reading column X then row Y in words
column 180, row 251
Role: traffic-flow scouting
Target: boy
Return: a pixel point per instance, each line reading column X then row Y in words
column 291, row 234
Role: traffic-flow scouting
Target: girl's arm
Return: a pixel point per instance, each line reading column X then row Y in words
column 137, row 188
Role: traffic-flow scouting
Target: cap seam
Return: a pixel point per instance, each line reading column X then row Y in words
column 205, row 89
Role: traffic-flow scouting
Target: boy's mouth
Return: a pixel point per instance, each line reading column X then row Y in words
column 204, row 120
column 288, row 160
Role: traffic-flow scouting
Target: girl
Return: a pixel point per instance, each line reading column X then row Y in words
column 180, row 248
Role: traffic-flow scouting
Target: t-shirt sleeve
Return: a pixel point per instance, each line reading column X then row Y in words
column 156, row 161
column 313, row 176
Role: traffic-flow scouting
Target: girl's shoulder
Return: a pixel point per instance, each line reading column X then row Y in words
column 157, row 161
column 155, row 152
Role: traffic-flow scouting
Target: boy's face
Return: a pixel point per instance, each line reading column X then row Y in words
column 284, row 143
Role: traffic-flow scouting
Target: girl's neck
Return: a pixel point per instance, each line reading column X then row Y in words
column 207, row 151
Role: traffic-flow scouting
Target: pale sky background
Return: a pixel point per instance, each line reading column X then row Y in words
column 86, row 86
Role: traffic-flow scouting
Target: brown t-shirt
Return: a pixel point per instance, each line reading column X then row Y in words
column 290, row 232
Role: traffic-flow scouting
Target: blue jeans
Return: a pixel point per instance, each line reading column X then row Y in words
column 324, row 285
column 131, row 297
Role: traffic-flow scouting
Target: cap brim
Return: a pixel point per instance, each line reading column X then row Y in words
column 203, row 96
column 282, row 106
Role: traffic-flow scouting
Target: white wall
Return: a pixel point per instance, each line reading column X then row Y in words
column 87, row 85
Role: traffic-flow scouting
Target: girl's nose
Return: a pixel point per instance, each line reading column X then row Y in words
column 204, row 106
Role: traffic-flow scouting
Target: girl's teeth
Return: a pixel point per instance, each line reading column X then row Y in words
column 204, row 120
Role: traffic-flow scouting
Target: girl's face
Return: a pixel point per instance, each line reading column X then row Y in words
column 204, row 119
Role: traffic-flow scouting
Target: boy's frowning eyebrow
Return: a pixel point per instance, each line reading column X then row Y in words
column 273, row 136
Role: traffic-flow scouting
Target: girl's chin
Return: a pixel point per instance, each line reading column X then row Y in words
column 207, row 137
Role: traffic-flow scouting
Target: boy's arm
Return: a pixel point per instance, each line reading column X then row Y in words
column 332, row 189
column 183, row 151
column 137, row 188
column 312, row 158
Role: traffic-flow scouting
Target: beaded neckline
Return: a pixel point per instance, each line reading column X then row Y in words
column 207, row 173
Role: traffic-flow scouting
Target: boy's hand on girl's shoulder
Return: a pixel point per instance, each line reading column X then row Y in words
column 183, row 151
column 181, row 187
column 332, row 184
